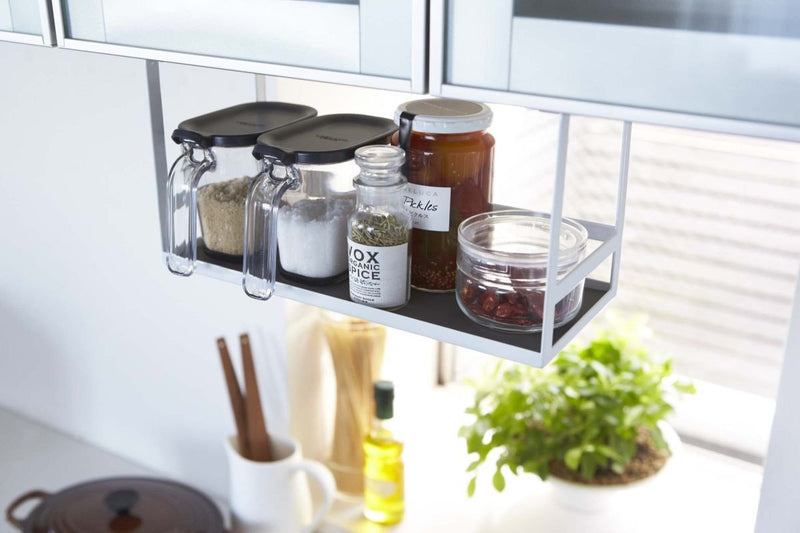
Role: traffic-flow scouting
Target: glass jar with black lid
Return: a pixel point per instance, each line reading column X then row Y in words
column 210, row 178
column 298, row 208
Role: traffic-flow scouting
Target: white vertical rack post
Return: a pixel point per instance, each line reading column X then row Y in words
column 611, row 244
column 622, row 193
column 559, row 182
column 159, row 143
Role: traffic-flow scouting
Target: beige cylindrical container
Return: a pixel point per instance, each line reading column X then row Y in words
column 357, row 349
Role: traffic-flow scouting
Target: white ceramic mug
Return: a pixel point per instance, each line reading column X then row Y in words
column 273, row 496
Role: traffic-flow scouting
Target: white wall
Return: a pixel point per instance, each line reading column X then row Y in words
column 96, row 337
column 778, row 510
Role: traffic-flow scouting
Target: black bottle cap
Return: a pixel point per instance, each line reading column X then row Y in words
column 384, row 399
column 324, row 140
column 241, row 124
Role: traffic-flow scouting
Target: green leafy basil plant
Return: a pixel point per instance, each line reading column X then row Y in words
column 591, row 416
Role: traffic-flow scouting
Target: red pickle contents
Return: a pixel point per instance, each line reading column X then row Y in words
column 463, row 164
column 520, row 306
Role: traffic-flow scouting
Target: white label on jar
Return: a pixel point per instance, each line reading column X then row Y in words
column 378, row 274
column 429, row 207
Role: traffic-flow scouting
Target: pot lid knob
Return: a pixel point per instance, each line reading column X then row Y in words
column 121, row 501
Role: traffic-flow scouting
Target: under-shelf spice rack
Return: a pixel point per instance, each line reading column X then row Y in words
column 437, row 315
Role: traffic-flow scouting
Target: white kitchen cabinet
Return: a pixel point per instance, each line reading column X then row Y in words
column 725, row 65
column 371, row 43
column 27, row 22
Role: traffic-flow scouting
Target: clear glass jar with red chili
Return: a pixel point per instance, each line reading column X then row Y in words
column 449, row 158
column 502, row 269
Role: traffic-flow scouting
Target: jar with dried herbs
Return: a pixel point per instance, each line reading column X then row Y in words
column 378, row 241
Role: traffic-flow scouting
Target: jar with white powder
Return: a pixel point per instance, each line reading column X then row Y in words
column 310, row 237
column 296, row 217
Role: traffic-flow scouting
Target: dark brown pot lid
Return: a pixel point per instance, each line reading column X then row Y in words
column 121, row 505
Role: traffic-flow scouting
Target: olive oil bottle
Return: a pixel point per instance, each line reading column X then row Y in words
column 384, row 501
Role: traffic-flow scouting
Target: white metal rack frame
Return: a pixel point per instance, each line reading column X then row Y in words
column 437, row 315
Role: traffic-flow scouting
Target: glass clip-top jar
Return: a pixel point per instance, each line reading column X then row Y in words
column 210, row 178
column 378, row 238
column 502, row 269
column 299, row 205
column 449, row 169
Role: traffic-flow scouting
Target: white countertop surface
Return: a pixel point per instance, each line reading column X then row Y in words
column 702, row 491
column 33, row 456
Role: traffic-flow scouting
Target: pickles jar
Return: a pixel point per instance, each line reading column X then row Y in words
column 210, row 179
column 298, row 208
column 449, row 170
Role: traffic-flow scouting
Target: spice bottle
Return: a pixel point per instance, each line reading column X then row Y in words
column 449, row 171
column 378, row 240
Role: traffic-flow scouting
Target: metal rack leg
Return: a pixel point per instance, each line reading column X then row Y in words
column 622, row 191
column 549, row 348
column 555, row 231
column 159, row 143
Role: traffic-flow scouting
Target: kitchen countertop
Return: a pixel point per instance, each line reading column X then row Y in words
column 702, row 491
column 33, row 456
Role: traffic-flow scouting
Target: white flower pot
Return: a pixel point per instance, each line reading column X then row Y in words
column 593, row 498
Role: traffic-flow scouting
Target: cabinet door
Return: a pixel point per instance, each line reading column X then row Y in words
column 376, row 43
column 730, row 59
column 26, row 21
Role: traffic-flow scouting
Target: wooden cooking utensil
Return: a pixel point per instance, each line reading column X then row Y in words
column 256, row 427
column 237, row 399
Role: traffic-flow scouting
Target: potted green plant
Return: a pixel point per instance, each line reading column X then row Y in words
column 592, row 418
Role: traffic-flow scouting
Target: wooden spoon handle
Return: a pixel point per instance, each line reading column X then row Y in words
column 237, row 400
column 256, row 426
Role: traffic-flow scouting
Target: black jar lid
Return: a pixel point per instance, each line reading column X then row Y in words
column 241, row 124
column 324, row 140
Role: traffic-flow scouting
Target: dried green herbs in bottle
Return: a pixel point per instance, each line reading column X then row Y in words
column 379, row 229
column 378, row 239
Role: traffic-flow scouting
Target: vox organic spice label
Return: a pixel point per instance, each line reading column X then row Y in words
column 378, row 274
